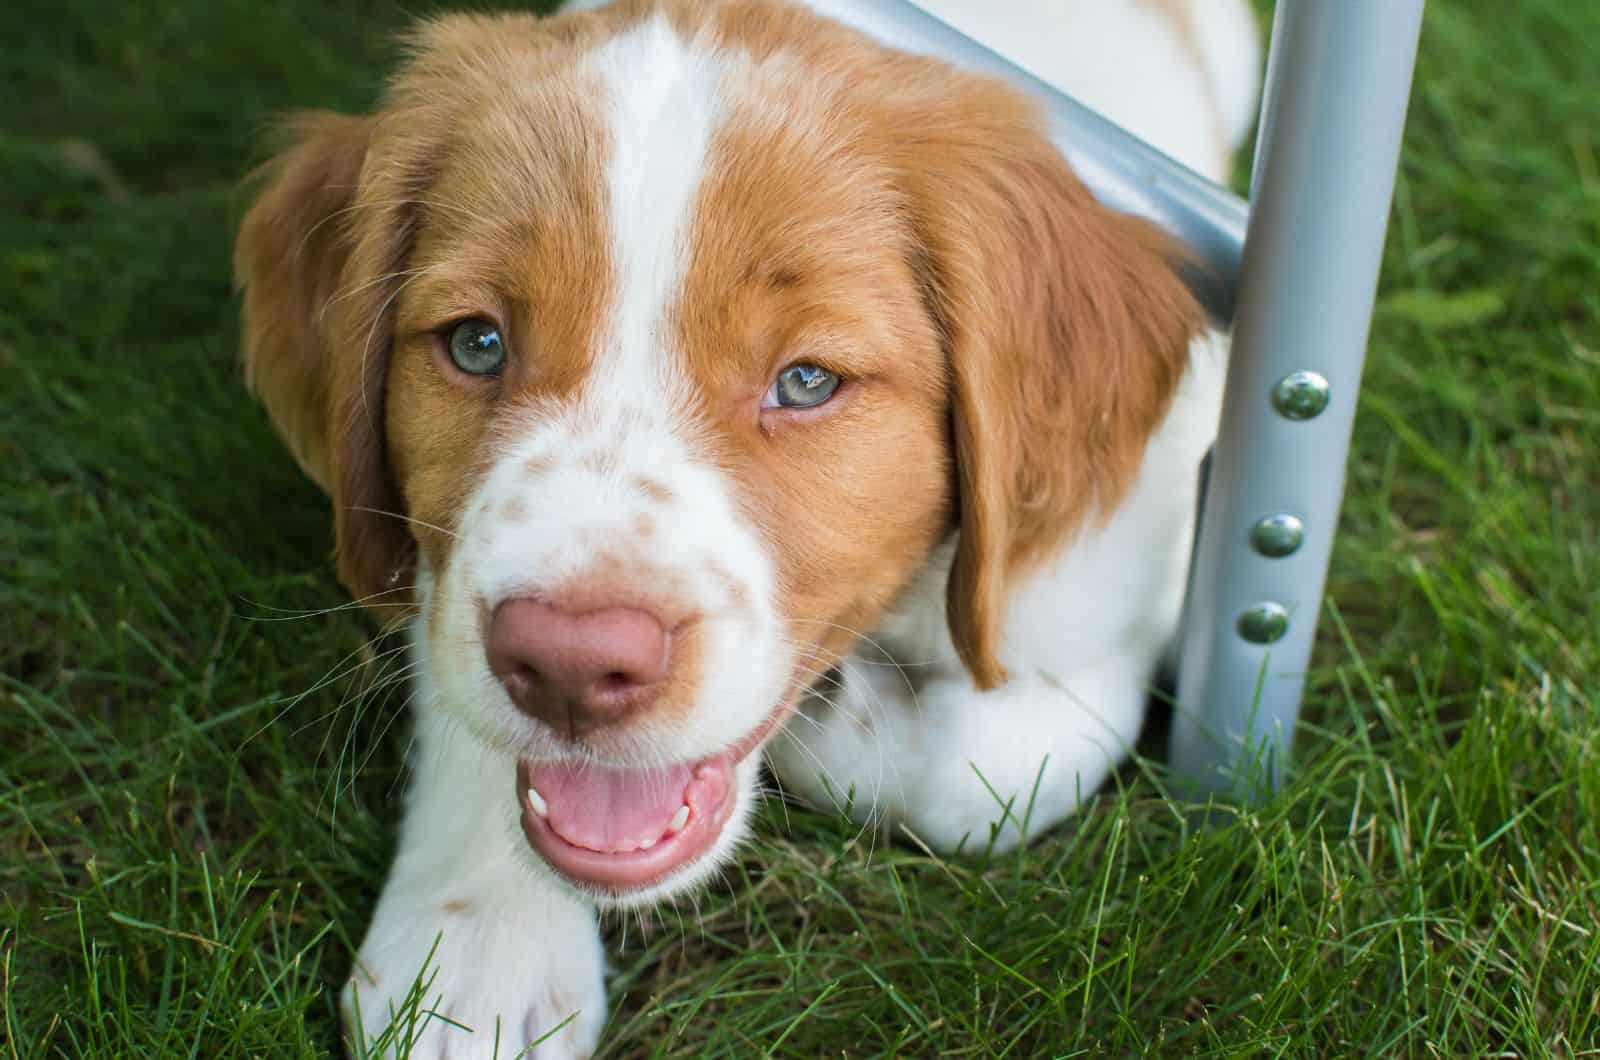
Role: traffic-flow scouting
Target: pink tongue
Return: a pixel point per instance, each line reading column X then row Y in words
column 610, row 810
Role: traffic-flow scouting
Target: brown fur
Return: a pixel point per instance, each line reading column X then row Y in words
column 656, row 490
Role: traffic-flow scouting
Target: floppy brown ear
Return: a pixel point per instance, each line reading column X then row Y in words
column 1067, row 327
column 311, row 260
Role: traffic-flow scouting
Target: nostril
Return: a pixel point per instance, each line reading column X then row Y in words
column 518, row 680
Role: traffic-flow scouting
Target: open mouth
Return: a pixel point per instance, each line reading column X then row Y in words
column 618, row 829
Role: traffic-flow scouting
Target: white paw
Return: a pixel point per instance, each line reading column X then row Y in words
column 506, row 971
column 953, row 765
column 1014, row 762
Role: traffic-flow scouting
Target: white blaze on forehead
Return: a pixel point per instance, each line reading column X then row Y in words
column 664, row 97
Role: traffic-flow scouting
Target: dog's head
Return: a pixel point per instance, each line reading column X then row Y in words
column 650, row 353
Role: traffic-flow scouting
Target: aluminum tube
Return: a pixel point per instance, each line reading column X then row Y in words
column 1338, row 80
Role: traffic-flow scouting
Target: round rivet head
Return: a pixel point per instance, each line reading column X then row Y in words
column 1264, row 623
column 1300, row 395
column 1276, row 536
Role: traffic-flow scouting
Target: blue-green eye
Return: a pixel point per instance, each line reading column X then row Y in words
column 801, row 386
column 476, row 347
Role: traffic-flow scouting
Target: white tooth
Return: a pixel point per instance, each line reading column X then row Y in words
column 679, row 819
column 536, row 802
column 646, row 844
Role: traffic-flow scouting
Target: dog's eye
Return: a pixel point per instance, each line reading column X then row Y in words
column 801, row 386
column 476, row 347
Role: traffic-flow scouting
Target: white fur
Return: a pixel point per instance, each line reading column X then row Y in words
column 665, row 106
column 907, row 732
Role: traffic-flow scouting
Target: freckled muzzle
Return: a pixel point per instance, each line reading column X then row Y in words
column 624, row 606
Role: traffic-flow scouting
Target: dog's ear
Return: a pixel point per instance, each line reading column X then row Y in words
column 291, row 252
column 316, row 259
column 1067, row 328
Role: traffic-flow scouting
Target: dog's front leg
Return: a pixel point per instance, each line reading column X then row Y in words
column 473, row 952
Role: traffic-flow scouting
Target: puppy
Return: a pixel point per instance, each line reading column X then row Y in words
column 687, row 369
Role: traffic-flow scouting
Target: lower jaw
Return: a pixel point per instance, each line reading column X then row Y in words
column 621, row 874
column 618, row 874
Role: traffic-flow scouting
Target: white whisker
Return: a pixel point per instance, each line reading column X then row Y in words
column 403, row 518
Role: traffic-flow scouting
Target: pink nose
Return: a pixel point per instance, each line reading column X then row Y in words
column 576, row 672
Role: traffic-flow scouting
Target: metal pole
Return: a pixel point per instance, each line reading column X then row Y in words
column 1338, row 80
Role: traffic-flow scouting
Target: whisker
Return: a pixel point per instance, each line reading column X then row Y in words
column 366, row 349
column 322, row 682
column 888, row 659
column 858, row 634
column 403, row 518
column 364, row 698
column 287, row 614
column 405, row 757
column 375, row 204
column 377, row 740
column 386, row 654
column 352, row 289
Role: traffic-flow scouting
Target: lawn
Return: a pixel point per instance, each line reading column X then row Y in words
column 200, row 764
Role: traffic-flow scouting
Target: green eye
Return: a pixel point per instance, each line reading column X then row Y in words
column 801, row 386
column 476, row 347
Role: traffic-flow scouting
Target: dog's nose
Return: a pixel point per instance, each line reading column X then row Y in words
column 576, row 671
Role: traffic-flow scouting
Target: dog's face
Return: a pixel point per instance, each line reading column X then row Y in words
column 657, row 349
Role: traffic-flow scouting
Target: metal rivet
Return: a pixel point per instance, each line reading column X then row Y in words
column 1276, row 536
column 1300, row 395
column 1264, row 623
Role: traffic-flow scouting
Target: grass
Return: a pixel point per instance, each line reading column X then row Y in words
column 185, row 872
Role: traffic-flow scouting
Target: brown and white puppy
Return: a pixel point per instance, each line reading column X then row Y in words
column 696, row 366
